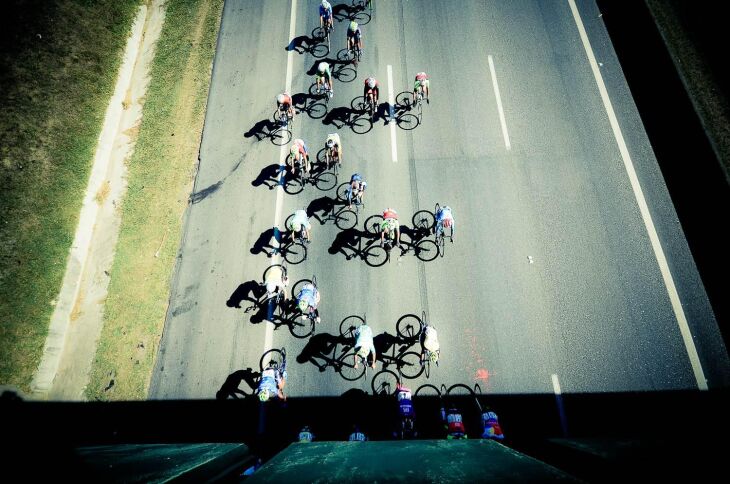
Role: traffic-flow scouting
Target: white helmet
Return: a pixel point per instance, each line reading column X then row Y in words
column 280, row 98
column 371, row 82
column 325, row 4
column 323, row 66
column 330, row 142
column 270, row 287
column 297, row 227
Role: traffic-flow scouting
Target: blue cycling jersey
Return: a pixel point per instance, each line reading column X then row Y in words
column 325, row 12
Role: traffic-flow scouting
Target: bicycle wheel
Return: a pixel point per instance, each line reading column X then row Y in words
column 408, row 326
column 460, row 390
column 342, row 191
column 376, row 256
column 423, row 220
column 409, row 365
column 349, row 324
column 271, row 267
column 295, row 253
column 301, row 327
column 293, row 186
column 272, row 358
column 427, row 390
column 385, row 382
column 372, row 224
column 427, row 250
column 281, row 136
column 325, row 181
column 347, row 369
column 346, row 219
column 440, row 245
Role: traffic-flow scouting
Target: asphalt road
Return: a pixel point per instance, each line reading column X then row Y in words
column 552, row 271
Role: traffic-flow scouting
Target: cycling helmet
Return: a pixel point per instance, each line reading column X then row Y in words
column 330, row 142
column 325, row 4
column 353, row 26
column 264, row 395
column 294, row 149
column 356, row 177
column 280, row 98
column 270, row 287
column 433, row 357
column 371, row 82
column 303, row 305
column 297, row 227
column 323, row 66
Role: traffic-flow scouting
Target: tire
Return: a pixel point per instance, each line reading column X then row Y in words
column 372, row 224
column 346, row 219
column 460, row 389
column 326, row 181
column 298, row 286
column 295, row 253
column 350, row 322
column 427, row 250
column 342, row 191
column 273, row 355
column 409, row 365
column 409, row 327
column 423, row 220
column 427, row 390
column 376, row 256
column 347, row 370
column 281, row 266
column 301, row 327
column 281, row 136
column 294, row 186
column 384, row 382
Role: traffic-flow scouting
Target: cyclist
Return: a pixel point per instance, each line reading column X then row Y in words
column 444, row 220
column 356, row 190
column 275, row 282
column 324, row 77
column 364, row 345
column 333, row 146
column 300, row 223
column 307, row 301
column 492, row 429
column 284, row 104
column 389, row 225
column 325, row 14
column 271, row 384
column 405, row 410
column 298, row 152
column 430, row 347
column 354, row 36
column 371, row 90
column 356, row 435
column 455, row 425
column 421, row 83
column 306, row 435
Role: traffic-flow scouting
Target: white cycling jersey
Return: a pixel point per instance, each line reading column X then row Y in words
column 364, row 338
column 300, row 217
column 430, row 339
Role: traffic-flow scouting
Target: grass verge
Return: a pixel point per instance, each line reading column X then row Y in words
column 60, row 61
column 160, row 175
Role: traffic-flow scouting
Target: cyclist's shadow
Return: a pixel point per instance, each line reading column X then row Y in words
column 263, row 243
column 303, row 44
column 269, row 176
column 322, row 346
column 243, row 293
column 261, row 130
column 325, row 206
column 350, row 243
column 230, row 387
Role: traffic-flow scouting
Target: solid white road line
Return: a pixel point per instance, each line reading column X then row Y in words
column 502, row 121
column 643, row 208
column 269, row 337
column 391, row 100
column 559, row 403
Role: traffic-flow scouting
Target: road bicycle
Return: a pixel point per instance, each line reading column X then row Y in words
column 348, row 329
column 440, row 232
column 271, row 300
column 332, row 156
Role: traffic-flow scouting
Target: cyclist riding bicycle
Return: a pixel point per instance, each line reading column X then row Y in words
column 389, row 226
column 405, row 410
column 444, row 220
column 356, row 190
column 271, row 384
column 299, row 223
column 325, row 14
column 356, row 435
column 305, row 435
column 421, row 84
column 324, row 77
column 492, row 429
column 364, row 345
column 455, row 425
column 307, row 301
column 371, row 90
column 276, row 282
column 354, row 36
column 297, row 153
column 333, row 147
column 284, row 104
column 430, row 348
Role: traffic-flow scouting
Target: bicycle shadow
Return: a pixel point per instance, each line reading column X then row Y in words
column 268, row 176
column 305, row 44
column 350, row 243
column 323, row 205
column 342, row 116
column 243, row 292
column 262, row 130
column 312, row 104
column 230, row 388
column 321, row 346
column 263, row 243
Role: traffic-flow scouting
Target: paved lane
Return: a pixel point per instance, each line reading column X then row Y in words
column 592, row 308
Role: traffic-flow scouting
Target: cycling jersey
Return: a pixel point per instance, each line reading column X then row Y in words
column 335, row 137
column 455, row 425
column 300, row 218
column 306, row 436
column 390, row 213
column 274, row 279
column 364, row 338
column 326, row 13
column 327, row 74
column 301, row 146
column 421, row 80
column 405, row 405
column 357, row 437
column 430, row 339
column 356, row 34
column 390, row 224
column 286, row 101
column 492, row 429
column 309, row 294
column 270, row 379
